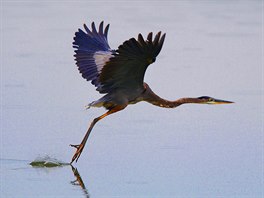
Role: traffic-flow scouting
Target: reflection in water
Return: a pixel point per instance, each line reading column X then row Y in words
column 218, row 154
column 79, row 182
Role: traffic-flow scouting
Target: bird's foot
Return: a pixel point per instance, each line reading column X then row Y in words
column 78, row 152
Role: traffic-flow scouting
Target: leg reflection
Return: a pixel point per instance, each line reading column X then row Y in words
column 79, row 181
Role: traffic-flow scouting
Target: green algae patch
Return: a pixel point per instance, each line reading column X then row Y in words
column 48, row 162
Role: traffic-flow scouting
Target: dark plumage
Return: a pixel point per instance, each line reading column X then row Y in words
column 119, row 74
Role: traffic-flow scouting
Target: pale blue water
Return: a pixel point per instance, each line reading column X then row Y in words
column 212, row 48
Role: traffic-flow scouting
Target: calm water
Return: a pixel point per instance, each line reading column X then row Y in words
column 211, row 48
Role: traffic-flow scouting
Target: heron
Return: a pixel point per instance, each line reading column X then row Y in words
column 119, row 74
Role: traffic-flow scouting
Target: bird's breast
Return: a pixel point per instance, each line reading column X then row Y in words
column 136, row 100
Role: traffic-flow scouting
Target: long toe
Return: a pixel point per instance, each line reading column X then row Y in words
column 75, row 145
column 77, row 153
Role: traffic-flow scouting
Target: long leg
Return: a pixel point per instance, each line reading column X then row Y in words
column 81, row 146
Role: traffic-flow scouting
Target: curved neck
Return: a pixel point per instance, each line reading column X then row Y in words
column 151, row 97
column 171, row 104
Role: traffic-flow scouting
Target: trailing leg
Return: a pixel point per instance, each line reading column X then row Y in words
column 80, row 147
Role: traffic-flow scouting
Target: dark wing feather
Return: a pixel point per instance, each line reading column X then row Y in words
column 126, row 69
column 92, row 51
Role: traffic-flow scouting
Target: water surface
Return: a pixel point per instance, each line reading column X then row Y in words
column 211, row 48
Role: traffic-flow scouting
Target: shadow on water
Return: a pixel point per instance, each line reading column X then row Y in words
column 79, row 182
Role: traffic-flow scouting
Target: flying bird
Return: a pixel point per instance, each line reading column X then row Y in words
column 119, row 74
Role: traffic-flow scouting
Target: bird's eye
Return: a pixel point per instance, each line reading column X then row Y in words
column 211, row 99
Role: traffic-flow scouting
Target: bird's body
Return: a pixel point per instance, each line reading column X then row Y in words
column 119, row 74
column 126, row 97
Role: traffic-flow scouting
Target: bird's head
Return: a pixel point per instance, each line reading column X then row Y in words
column 210, row 100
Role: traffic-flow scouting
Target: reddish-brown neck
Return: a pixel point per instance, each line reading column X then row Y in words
column 151, row 97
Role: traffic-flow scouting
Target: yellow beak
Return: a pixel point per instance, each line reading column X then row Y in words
column 218, row 101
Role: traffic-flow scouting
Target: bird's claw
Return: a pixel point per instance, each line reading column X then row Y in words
column 78, row 152
column 75, row 145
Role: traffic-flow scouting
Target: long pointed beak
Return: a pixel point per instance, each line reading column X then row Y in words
column 218, row 101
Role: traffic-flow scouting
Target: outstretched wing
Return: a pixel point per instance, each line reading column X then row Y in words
column 110, row 70
column 92, row 51
column 126, row 69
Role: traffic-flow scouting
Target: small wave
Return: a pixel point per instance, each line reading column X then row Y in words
column 47, row 161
